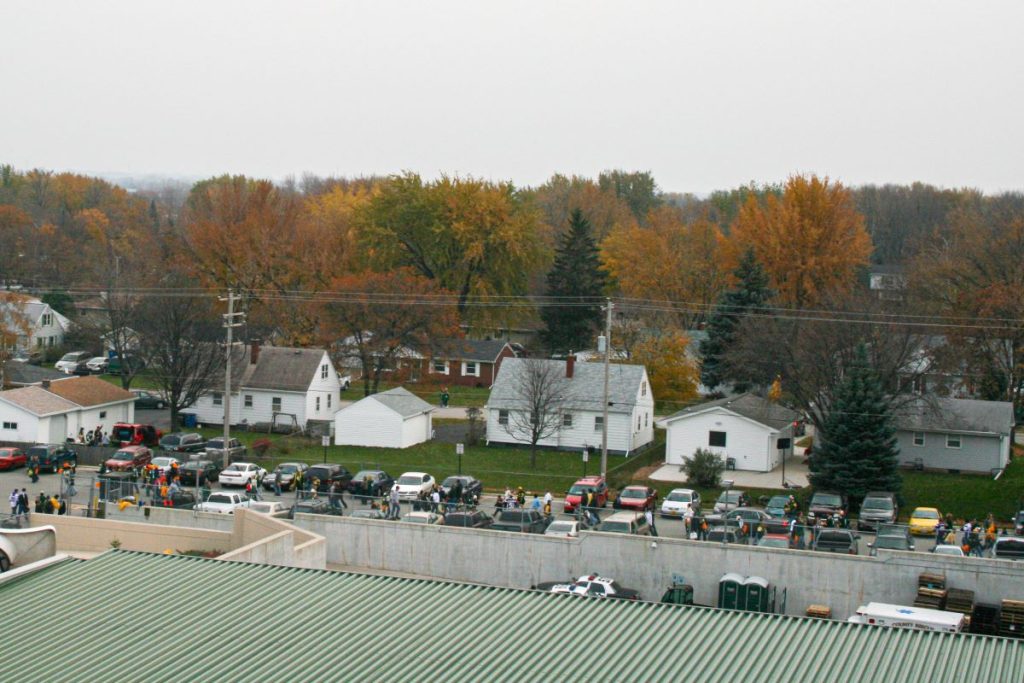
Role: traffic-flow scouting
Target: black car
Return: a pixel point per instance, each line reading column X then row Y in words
column 287, row 471
column 51, row 457
column 313, row 506
column 475, row 519
column 182, row 499
column 180, row 442
column 835, row 541
column 371, row 483
column 527, row 521
column 205, row 470
column 471, row 487
column 327, row 473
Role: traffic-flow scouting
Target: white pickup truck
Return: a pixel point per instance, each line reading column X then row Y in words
column 224, row 503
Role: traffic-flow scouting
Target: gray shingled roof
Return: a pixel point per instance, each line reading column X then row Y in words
column 37, row 400
column 485, row 350
column 749, row 406
column 279, row 368
column 586, row 387
column 955, row 415
column 401, row 401
column 23, row 374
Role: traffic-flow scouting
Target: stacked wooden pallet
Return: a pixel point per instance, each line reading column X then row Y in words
column 985, row 619
column 932, row 598
column 1011, row 619
column 819, row 611
column 929, row 580
column 958, row 600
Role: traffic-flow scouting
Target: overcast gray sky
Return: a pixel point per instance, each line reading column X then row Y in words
column 705, row 95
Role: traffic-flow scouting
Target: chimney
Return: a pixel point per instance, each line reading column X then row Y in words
column 254, row 352
column 570, row 365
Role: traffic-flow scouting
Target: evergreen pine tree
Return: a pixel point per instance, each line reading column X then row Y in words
column 856, row 449
column 576, row 276
column 751, row 294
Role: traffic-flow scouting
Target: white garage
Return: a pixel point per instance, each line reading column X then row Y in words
column 391, row 419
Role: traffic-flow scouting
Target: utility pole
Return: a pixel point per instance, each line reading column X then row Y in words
column 229, row 324
column 607, row 362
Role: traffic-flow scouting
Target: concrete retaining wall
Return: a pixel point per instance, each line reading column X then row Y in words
column 95, row 535
column 842, row 582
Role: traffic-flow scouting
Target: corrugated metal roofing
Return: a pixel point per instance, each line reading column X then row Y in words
column 144, row 617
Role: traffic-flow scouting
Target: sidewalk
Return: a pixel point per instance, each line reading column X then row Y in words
column 796, row 473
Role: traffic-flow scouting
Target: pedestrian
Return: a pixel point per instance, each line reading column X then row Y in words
column 13, row 500
column 547, row 499
column 649, row 516
column 394, row 504
column 445, row 396
column 536, row 503
column 277, row 483
column 332, row 496
column 105, row 441
column 688, row 522
column 81, row 435
column 703, row 529
column 435, row 501
column 940, row 532
column 23, row 503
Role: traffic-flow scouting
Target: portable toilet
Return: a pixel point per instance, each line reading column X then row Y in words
column 756, row 594
column 731, row 593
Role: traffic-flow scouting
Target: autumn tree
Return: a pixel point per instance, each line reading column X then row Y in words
column 541, row 395
column 810, row 240
column 636, row 188
column 673, row 374
column 576, row 284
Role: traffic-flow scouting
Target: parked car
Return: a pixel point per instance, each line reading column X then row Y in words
column 591, row 586
column 423, row 517
column 471, row 487
column 183, row 499
column 527, row 521
column 474, row 519
column 69, row 361
column 1018, row 523
column 215, row 450
column 148, row 400
column 950, row 550
column 97, row 365
column 371, row 483
column 878, row 507
column 637, row 498
column 564, row 528
column 198, row 472
column 924, row 520
column 182, row 442
column 223, row 502
column 775, row 541
column 165, row 463
column 625, row 523
column 313, row 506
column 578, row 491
column 286, row 471
column 328, row 473
column 128, row 458
column 12, row 458
column 730, row 500
column 835, row 541
column 824, row 504
column 81, row 368
column 678, row 501
column 1008, row 548
column 52, row 456
column 776, row 506
column 371, row 513
column 131, row 361
column 125, row 434
column 240, row 474
column 411, row 484
column 749, row 516
column 274, row 508
column 891, row 537
column 726, row 534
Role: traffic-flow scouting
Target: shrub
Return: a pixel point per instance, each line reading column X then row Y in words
column 260, row 447
column 704, row 469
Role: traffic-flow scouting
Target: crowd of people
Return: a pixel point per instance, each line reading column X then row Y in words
column 94, row 437
column 976, row 536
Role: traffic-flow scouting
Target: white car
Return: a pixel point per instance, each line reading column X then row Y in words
column 224, row 503
column 70, row 361
column 274, row 508
column 951, row 550
column 164, row 463
column 563, row 529
column 678, row 501
column 240, row 474
column 411, row 484
column 98, row 364
column 422, row 517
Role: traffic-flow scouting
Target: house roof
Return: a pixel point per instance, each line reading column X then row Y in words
column 31, row 309
column 402, row 401
column 37, row 400
column 89, row 391
column 752, row 407
column 484, row 350
column 23, row 374
column 639, row 640
column 586, row 386
column 280, row 368
column 936, row 414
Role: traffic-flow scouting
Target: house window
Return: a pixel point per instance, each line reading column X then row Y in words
column 47, row 319
column 10, row 425
column 567, row 420
column 952, row 441
column 598, row 423
column 918, row 438
column 470, row 369
column 103, row 414
column 275, row 404
column 716, row 439
column 647, row 418
column 49, row 341
column 218, row 398
column 643, row 388
column 440, row 367
column 323, row 371
column 638, row 423
column 503, row 417
column 328, row 400
column 318, row 404
column 248, row 401
column 39, row 342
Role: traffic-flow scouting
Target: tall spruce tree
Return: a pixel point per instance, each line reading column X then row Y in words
column 577, row 279
column 751, row 294
column 856, row 450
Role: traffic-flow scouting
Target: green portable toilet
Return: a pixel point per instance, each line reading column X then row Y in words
column 756, row 594
column 731, row 594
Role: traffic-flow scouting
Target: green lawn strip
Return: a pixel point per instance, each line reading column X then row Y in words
column 140, row 381
column 458, row 396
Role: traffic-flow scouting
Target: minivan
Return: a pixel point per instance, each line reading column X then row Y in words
column 878, row 508
column 625, row 523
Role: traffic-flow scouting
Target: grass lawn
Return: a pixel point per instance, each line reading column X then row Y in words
column 143, row 380
column 458, row 397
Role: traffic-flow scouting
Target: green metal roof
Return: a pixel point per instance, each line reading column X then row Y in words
column 144, row 617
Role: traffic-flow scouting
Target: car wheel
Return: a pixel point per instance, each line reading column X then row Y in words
column 159, row 405
column 5, row 562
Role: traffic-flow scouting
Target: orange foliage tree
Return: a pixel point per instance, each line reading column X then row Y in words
column 674, row 376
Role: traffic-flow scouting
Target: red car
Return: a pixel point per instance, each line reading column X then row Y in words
column 129, row 458
column 124, row 434
column 637, row 498
column 11, row 458
column 580, row 489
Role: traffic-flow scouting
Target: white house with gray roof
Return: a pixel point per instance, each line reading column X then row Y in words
column 630, row 405
column 959, row 434
column 35, row 323
column 743, row 430
column 391, row 419
column 273, row 384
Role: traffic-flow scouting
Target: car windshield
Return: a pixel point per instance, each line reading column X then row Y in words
column 218, row 498
column 578, row 490
column 926, row 514
column 38, row 450
column 634, row 493
column 891, row 542
column 452, row 481
column 162, row 462
column 778, row 502
column 1020, row 515
column 215, row 443
column 729, row 497
column 680, row 497
column 69, row 356
column 948, row 550
column 514, row 516
column 773, row 543
column 1009, row 547
column 416, row 520
column 877, row 504
column 234, row 468
column 287, row 469
column 561, row 527
column 365, row 514
column 829, row 499
column 122, row 455
column 124, row 433
column 615, row 527
column 7, row 451
column 410, row 481
column 362, row 475
column 171, row 440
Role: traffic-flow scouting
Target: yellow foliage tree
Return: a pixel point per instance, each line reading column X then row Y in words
column 674, row 377
column 810, row 240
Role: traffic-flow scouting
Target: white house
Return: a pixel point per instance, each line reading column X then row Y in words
column 581, row 386
column 52, row 412
column 744, row 430
column 391, row 419
column 273, row 384
column 35, row 324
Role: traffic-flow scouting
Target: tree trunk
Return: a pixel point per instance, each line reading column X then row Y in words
column 533, row 455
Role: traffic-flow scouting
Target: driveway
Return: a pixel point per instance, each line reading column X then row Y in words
column 796, row 474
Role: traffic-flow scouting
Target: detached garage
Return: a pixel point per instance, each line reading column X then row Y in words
column 392, row 419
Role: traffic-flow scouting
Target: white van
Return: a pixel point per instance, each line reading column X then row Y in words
column 899, row 616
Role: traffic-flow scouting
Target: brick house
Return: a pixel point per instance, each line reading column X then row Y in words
column 466, row 362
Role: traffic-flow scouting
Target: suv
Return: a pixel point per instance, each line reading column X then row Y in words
column 625, row 523
column 476, row 519
column 878, row 508
column 577, row 493
column 179, row 442
column 234, row 452
column 527, row 521
column 835, row 541
column 124, row 434
column 824, row 504
column 128, row 458
column 313, row 506
column 1008, row 548
column 891, row 537
column 730, row 500
column 327, row 473
column 204, row 471
column 182, row 499
column 49, row 457
column 70, row 361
